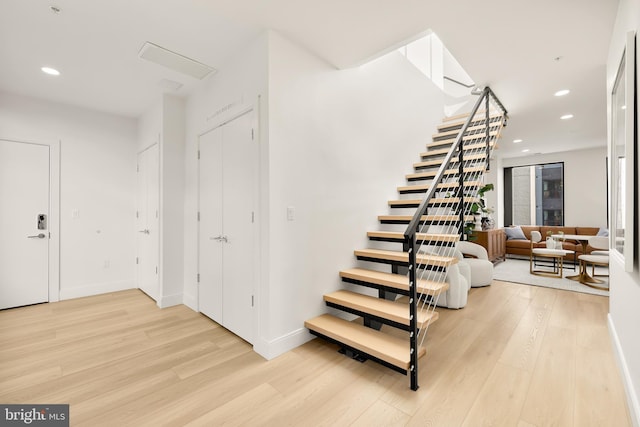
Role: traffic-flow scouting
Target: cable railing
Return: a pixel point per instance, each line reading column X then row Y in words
column 444, row 213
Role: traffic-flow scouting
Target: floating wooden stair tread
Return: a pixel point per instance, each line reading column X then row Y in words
column 396, row 236
column 393, row 311
column 405, row 219
column 478, row 120
column 423, row 188
column 455, row 132
column 444, row 151
column 414, row 203
column 438, row 162
column 391, row 280
column 473, row 137
column 433, row 173
column 464, row 116
column 390, row 349
column 403, row 257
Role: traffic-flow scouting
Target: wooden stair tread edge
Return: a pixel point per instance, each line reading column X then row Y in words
column 434, row 163
column 390, row 349
column 436, row 218
column 437, row 200
column 392, row 280
column 423, row 259
column 419, row 236
column 473, row 127
column 464, row 138
column 460, row 123
column 479, row 113
column 425, row 187
column 395, row 311
column 443, row 151
column 453, row 171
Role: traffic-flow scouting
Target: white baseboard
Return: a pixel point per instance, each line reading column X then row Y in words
column 95, row 289
column 632, row 398
column 170, row 300
column 280, row 345
column 190, row 301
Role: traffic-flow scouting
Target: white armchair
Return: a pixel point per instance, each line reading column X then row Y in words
column 479, row 264
column 459, row 278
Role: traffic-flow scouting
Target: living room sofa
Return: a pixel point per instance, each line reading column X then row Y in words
column 522, row 247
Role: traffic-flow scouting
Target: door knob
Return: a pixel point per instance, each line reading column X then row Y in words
column 220, row 238
column 37, row 236
column 145, row 231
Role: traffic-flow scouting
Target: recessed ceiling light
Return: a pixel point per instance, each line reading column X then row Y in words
column 515, row 141
column 567, row 117
column 50, row 71
column 526, row 150
column 562, row 92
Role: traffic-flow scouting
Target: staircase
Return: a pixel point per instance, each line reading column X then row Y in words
column 427, row 220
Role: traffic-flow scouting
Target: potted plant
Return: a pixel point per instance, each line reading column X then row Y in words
column 480, row 212
column 480, row 207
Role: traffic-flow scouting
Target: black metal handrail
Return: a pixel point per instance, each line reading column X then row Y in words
column 412, row 228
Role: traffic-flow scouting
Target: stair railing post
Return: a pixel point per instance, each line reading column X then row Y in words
column 410, row 241
column 461, row 189
column 488, row 133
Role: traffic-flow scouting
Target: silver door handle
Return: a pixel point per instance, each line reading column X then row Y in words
column 145, row 231
column 37, row 236
column 220, row 238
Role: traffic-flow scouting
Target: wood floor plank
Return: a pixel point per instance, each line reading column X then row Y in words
column 523, row 348
column 500, row 400
column 435, row 368
column 591, row 325
column 464, row 378
column 234, row 412
column 381, row 415
column 596, row 404
column 565, row 313
column 118, row 359
column 550, row 399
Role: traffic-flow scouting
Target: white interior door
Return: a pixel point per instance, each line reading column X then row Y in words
column 24, row 224
column 227, row 232
column 211, row 232
column 147, row 221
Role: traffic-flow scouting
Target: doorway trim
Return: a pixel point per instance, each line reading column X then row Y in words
column 158, row 297
column 54, row 212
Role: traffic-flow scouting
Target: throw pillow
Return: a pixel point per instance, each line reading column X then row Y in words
column 603, row 232
column 515, row 233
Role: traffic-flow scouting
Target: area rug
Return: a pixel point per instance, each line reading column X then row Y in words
column 517, row 271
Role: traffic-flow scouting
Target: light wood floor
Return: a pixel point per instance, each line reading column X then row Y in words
column 515, row 356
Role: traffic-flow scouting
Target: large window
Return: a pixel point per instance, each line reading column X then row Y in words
column 534, row 195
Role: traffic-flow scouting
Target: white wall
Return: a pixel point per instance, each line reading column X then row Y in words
column 340, row 142
column 150, row 127
column 585, row 185
column 164, row 124
column 172, row 162
column 624, row 315
column 334, row 145
column 97, row 179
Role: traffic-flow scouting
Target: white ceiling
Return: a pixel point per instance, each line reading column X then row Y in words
column 507, row 44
